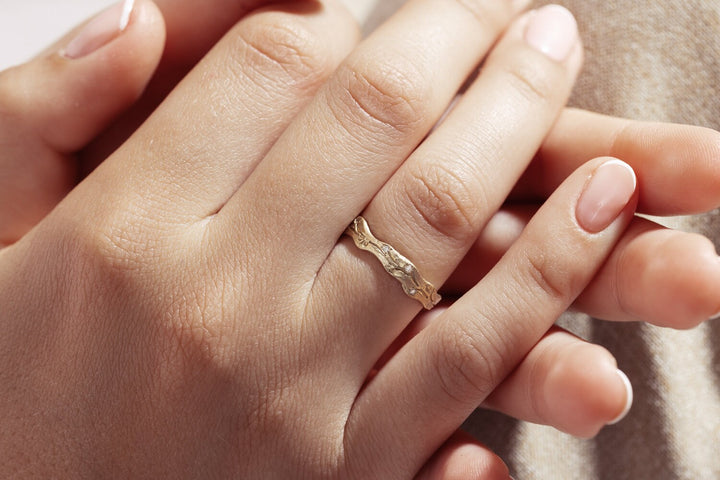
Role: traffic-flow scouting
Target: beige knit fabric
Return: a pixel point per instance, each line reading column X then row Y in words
column 654, row 60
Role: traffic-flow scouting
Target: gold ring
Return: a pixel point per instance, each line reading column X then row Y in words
column 395, row 264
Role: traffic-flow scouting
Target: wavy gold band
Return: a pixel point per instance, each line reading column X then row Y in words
column 394, row 263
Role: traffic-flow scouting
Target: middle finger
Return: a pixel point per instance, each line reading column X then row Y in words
column 368, row 118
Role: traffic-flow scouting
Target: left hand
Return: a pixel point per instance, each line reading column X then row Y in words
column 559, row 159
column 656, row 275
column 147, row 288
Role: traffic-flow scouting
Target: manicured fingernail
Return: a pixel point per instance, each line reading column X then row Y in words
column 127, row 10
column 606, row 194
column 628, row 397
column 553, row 31
column 717, row 315
column 101, row 30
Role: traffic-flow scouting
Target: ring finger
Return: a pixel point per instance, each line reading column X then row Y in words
column 435, row 205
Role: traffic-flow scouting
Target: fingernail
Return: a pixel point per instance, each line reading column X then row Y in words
column 101, row 30
column 606, row 194
column 127, row 10
column 553, row 31
column 628, row 398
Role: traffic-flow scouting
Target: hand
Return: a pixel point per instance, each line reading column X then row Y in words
column 167, row 272
column 656, row 274
column 42, row 124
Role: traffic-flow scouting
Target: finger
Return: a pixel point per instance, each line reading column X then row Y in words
column 658, row 275
column 462, row 457
column 70, row 94
column 496, row 238
column 437, row 202
column 193, row 28
column 438, row 378
column 654, row 274
column 362, row 124
column 678, row 166
column 566, row 383
column 252, row 84
column 57, row 102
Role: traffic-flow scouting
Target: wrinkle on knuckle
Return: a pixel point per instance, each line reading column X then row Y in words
column 390, row 92
column 465, row 363
column 533, row 83
column 284, row 52
column 444, row 199
column 543, row 275
column 539, row 376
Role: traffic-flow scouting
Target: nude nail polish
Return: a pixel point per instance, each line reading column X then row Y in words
column 552, row 30
column 100, row 30
column 628, row 399
column 605, row 196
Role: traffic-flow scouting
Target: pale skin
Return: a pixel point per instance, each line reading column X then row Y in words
column 192, row 304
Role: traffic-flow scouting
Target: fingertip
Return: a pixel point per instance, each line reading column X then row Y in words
column 627, row 386
column 585, row 391
column 462, row 457
column 100, row 72
column 669, row 278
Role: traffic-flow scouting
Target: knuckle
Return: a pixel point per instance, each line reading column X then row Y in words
column 466, row 362
column 535, row 84
column 444, row 199
column 114, row 246
column 282, row 50
column 391, row 93
column 547, row 276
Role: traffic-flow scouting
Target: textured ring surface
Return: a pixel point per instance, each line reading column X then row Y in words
column 413, row 284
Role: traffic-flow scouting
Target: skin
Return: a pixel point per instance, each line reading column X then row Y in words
column 181, row 351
